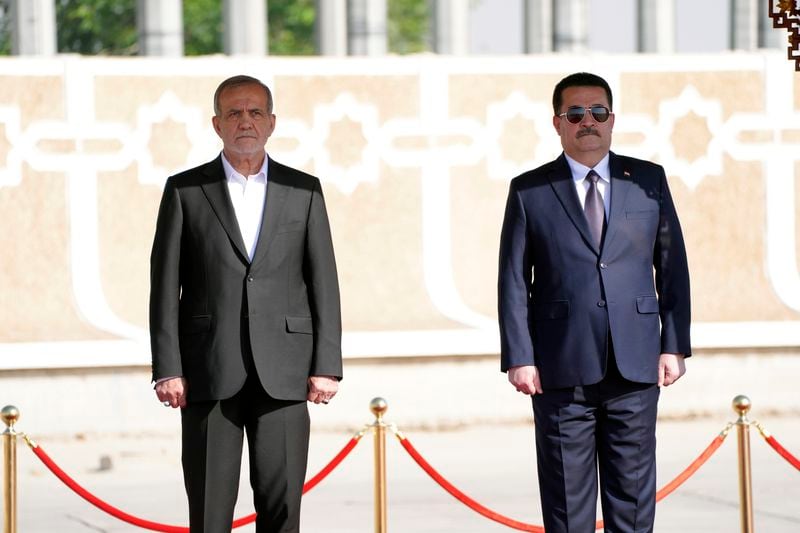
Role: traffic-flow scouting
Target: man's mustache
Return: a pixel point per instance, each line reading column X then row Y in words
column 587, row 131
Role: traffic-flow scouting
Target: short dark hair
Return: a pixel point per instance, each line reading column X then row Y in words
column 580, row 79
column 237, row 81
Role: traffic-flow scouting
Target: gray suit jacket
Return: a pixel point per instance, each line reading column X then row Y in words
column 203, row 287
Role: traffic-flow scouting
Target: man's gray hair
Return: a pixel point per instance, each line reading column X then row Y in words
column 237, row 81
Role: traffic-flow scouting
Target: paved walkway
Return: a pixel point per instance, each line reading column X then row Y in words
column 493, row 464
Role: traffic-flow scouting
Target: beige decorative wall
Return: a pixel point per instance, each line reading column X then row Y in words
column 415, row 154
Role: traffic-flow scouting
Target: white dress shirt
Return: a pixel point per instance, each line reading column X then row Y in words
column 579, row 172
column 247, row 195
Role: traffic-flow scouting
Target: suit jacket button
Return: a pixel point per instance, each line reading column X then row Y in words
column 603, row 265
column 601, row 303
column 249, row 278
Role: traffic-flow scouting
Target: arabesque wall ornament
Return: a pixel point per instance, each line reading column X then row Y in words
column 786, row 14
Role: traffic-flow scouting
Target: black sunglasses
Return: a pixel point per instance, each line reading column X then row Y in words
column 575, row 113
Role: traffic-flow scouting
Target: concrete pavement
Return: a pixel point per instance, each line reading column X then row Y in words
column 494, row 464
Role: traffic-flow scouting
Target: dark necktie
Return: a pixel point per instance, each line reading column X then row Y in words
column 594, row 209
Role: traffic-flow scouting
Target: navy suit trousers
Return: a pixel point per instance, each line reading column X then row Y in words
column 606, row 428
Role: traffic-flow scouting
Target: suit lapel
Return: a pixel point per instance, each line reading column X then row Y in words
column 621, row 181
column 564, row 186
column 275, row 201
column 216, row 191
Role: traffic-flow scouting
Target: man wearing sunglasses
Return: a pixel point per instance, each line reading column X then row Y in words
column 594, row 311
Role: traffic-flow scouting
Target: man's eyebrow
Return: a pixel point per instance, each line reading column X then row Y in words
column 240, row 109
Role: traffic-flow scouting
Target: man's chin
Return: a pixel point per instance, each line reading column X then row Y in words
column 248, row 146
column 589, row 143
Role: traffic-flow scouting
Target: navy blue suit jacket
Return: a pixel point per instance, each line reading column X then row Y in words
column 560, row 296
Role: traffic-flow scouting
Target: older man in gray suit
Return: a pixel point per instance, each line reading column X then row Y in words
column 245, row 320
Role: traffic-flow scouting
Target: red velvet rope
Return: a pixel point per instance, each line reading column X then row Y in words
column 783, row 451
column 691, row 469
column 521, row 526
column 155, row 526
column 667, row 489
column 463, row 498
column 449, row 487
column 97, row 502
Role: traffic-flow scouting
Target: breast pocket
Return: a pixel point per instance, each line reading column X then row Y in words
column 639, row 228
column 647, row 213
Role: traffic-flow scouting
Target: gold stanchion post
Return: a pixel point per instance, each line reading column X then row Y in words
column 10, row 415
column 378, row 406
column 741, row 404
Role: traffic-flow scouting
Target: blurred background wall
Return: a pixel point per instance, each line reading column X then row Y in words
column 415, row 115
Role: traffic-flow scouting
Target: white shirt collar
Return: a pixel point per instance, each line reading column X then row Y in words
column 233, row 176
column 579, row 170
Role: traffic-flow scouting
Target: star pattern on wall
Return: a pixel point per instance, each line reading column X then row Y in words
column 362, row 163
column 690, row 105
column 508, row 120
column 169, row 122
